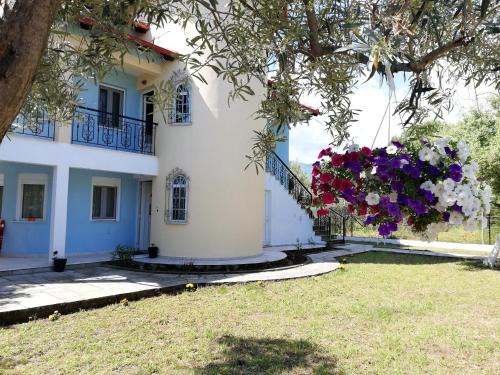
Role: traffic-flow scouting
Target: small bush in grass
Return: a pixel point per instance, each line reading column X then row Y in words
column 123, row 255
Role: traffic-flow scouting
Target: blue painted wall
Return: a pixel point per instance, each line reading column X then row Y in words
column 121, row 80
column 84, row 235
column 283, row 148
column 23, row 237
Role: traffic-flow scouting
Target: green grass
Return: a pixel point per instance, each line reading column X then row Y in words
column 455, row 234
column 385, row 314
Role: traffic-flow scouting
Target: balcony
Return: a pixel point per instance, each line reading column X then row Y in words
column 109, row 130
column 37, row 125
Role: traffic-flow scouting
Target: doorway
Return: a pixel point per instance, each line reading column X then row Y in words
column 148, row 118
column 145, row 214
column 267, row 218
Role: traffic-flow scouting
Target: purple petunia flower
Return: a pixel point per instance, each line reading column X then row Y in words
column 395, row 163
column 384, row 230
column 393, row 209
column 397, row 186
column 398, row 144
column 355, row 167
column 407, row 168
column 433, row 171
column 405, row 157
column 403, row 199
column 370, row 220
column 384, row 201
column 381, row 161
column 446, row 216
column 415, row 173
column 393, row 227
column 455, row 168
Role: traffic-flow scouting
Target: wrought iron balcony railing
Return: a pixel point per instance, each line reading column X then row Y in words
column 37, row 125
column 104, row 129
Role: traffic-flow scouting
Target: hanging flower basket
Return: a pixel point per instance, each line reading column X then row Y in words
column 431, row 186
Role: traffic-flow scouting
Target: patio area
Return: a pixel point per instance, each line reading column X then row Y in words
column 28, row 264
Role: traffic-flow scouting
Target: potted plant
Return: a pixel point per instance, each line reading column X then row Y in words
column 58, row 263
column 153, row 251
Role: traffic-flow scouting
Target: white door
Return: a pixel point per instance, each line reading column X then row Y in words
column 145, row 215
column 267, row 218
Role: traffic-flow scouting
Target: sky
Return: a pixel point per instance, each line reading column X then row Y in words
column 307, row 140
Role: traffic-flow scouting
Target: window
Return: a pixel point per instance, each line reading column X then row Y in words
column 182, row 105
column 177, row 191
column 110, row 106
column 32, row 197
column 105, row 198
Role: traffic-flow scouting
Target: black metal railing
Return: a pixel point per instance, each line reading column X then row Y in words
column 277, row 167
column 328, row 226
column 37, row 125
column 104, row 129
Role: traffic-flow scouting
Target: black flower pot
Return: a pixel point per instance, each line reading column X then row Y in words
column 153, row 251
column 59, row 264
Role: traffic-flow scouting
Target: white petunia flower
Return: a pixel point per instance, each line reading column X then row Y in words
column 391, row 150
column 404, row 162
column 456, row 218
column 463, row 151
column 425, row 154
column 353, row 148
column 372, row 199
column 428, row 185
column 470, row 225
column 448, row 184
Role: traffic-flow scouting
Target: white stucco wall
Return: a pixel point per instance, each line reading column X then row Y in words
column 226, row 203
column 289, row 222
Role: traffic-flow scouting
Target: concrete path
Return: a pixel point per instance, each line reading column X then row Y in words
column 25, row 296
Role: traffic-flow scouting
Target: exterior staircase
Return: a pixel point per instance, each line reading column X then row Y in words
column 331, row 228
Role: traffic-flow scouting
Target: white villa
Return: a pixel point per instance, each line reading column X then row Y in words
column 123, row 173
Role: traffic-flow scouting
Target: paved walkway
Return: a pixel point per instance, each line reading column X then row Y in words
column 38, row 294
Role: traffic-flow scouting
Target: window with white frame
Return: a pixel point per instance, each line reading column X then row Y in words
column 177, row 197
column 181, row 113
column 105, row 198
column 32, row 196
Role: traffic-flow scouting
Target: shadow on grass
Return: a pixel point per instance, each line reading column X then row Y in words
column 477, row 265
column 269, row 356
column 380, row 257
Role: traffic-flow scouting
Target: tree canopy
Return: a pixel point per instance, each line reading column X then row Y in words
column 480, row 128
column 295, row 47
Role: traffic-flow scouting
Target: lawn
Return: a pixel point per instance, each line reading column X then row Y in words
column 454, row 234
column 384, row 314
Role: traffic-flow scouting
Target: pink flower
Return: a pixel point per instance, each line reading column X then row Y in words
column 351, row 157
column 326, row 151
column 337, row 160
column 366, row 151
column 325, row 177
column 323, row 212
column 328, row 198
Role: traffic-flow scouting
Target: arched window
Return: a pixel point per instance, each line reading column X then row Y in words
column 177, row 197
column 182, row 105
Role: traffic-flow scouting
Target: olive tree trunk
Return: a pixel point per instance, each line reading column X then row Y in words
column 24, row 32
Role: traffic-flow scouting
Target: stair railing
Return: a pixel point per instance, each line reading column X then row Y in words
column 328, row 225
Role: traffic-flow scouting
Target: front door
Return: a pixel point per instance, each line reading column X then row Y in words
column 145, row 215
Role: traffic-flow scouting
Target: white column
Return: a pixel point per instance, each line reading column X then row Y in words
column 59, row 212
